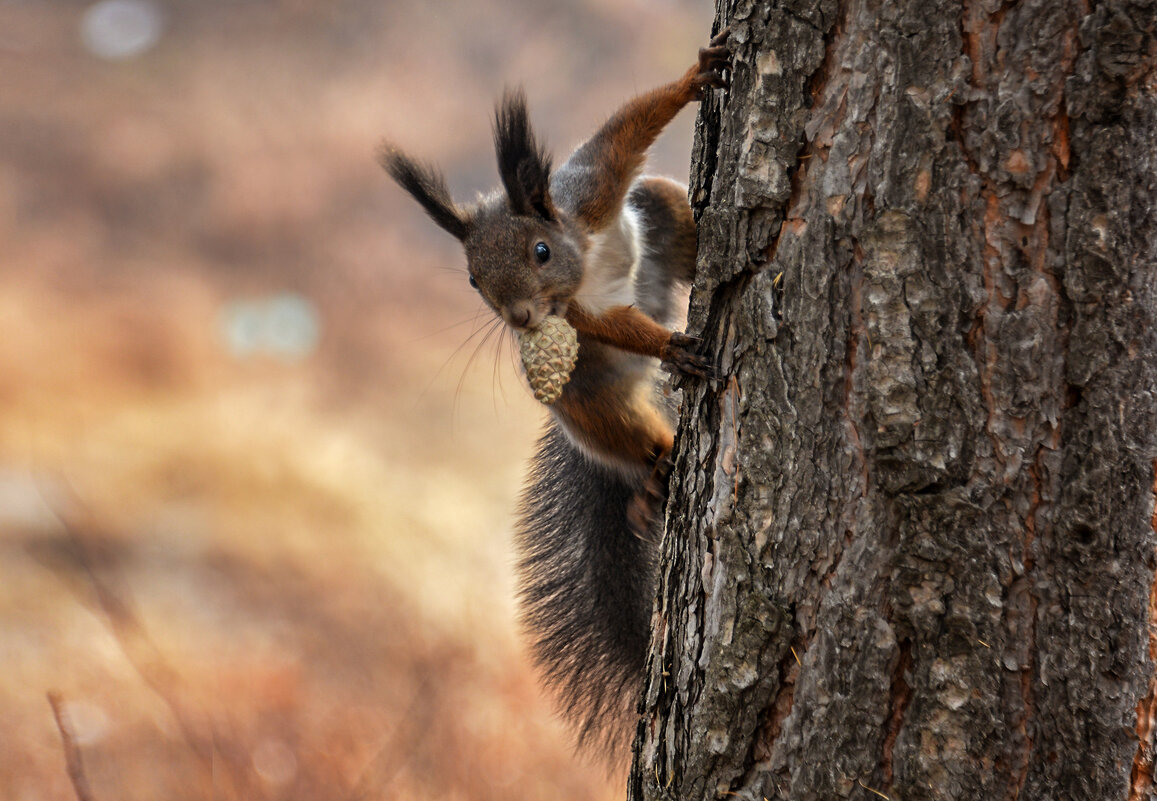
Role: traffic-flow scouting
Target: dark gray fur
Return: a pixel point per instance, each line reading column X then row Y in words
column 586, row 578
column 587, row 584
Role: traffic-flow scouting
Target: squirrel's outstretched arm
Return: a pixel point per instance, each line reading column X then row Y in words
column 598, row 175
column 593, row 242
column 629, row 329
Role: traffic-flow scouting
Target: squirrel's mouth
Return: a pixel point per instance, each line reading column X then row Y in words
column 558, row 307
column 526, row 315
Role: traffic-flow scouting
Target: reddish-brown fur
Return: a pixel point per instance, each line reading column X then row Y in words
column 626, row 428
column 551, row 242
column 619, row 149
column 625, row 424
column 625, row 327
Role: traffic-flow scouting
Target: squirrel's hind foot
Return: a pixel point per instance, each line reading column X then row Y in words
column 644, row 509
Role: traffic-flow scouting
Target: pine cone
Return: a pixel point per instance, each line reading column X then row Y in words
column 549, row 353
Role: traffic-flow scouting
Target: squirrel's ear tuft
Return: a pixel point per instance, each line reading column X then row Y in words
column 428, row 187
column 522, row 163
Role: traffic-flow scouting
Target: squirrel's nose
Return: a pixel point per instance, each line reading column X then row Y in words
column 522, row 314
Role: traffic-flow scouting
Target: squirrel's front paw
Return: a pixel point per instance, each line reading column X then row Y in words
column 679, row 355
column 713, row 60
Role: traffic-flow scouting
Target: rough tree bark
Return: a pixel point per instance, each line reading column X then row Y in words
column 910, row 548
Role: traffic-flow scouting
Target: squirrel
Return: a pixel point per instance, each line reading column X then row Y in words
column 607, row 248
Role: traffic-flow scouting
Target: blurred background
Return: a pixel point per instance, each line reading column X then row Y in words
column 259, row 453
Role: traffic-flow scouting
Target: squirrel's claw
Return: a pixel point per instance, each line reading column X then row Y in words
column 716, row 78
column 718, row 39
column 644, row 508
column 679, row 356
column 713, row 61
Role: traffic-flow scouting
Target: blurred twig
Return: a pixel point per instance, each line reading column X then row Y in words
column 135, row 642
column 71, row 750
column 139, row 648
column 385, row 766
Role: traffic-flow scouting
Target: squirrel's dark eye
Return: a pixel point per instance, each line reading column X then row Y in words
column 541, row 252
column 473, row 282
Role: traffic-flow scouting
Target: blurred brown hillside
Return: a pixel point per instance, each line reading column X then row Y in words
column 258, row 453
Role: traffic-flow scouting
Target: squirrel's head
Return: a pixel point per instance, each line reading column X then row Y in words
column 524, row 257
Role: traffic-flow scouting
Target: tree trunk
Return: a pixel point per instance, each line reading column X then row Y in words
column 910, row 548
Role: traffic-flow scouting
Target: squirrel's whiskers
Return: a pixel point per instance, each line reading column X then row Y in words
column 609, row 250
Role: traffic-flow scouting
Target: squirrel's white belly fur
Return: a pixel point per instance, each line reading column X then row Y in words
column 590, row 519
column 611, row 264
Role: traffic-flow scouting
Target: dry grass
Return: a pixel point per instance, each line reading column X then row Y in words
column 263, row 577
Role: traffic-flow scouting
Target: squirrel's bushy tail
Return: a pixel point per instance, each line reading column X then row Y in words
column 586, row 584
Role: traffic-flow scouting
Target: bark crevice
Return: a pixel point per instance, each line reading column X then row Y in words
column 929, row 273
